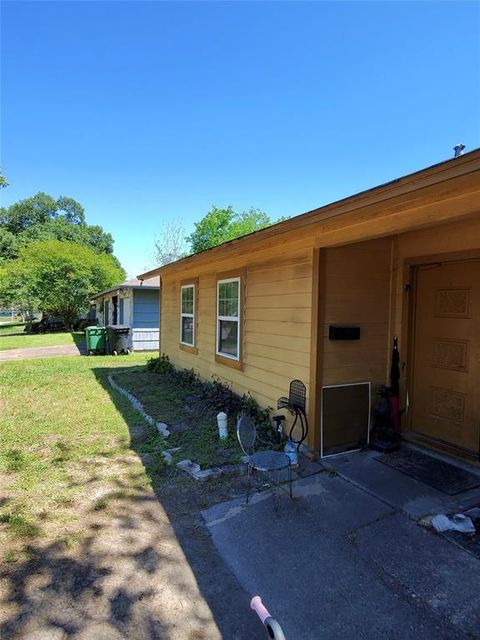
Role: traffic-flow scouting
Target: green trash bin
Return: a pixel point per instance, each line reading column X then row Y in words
column 96, row 340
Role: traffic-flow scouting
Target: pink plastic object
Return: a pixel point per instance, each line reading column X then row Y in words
column 257, row 605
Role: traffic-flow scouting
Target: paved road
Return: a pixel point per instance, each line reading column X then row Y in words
column 42, row 352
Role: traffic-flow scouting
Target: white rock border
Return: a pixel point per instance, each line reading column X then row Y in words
column 138, row 406
column 193, row 470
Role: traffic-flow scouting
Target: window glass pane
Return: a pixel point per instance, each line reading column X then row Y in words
column 187, row 300
column 187, row 330
column 228, row 294
column 227, row 338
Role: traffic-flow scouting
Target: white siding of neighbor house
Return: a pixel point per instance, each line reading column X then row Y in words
column 145, row 339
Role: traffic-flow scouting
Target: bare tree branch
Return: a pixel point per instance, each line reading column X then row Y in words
column 170, row 245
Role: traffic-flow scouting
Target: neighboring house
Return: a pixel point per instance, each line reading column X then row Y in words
column 134, row 303
column 401, row 259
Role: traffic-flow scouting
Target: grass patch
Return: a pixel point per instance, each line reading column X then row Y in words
column 163, row 401
column 19, row 525
column 69, row 541
column 14, row 460
column 62, row 429
column 27, row 340
column 67, row 448
column 202, row 445
column 11, row 327
column 10, row 557
column 101, row 504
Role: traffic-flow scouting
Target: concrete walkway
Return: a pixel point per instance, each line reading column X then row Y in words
column 401, row 492
column 339, row 562
column 43, row 352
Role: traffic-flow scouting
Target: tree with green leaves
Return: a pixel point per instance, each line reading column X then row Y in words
column 221, row 225
column 58, row 277
column 41, row 217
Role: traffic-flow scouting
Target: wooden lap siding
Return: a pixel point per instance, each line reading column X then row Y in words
column 357, row 292
column 357, row 253
column 275, row 325
column 145, row 309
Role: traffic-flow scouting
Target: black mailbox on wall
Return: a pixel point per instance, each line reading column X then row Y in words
column 343, row 332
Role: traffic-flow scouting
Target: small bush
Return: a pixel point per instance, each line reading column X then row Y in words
column 160, row 365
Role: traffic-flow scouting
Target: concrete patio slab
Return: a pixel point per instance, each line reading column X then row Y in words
column 314, row 569
column 429, row 568
column 414, row 498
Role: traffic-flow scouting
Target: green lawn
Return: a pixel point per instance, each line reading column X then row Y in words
column 11, row 327
column 60, row 426
column 25, row 340
column 66, row 445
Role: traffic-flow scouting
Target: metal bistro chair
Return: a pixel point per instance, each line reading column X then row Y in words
column 270, row 463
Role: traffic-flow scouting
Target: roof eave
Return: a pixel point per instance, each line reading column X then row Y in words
column 126, row 286
column 328, row 210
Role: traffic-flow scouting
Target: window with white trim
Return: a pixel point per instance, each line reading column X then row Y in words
column 187, row 315
column 228, row 318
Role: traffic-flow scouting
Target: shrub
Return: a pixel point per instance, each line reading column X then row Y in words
column 160, row 365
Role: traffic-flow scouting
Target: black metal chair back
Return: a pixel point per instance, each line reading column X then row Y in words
column 296, row 403
column 297, row 395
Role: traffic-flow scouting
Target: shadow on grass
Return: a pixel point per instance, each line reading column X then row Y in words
column 91, row 593
column 14, row 335
column 138, row 567
column 80, row 341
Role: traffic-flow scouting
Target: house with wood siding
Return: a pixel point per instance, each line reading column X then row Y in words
column 321, row 296
column 134, row 303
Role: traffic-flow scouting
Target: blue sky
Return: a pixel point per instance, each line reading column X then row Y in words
column 148, row 112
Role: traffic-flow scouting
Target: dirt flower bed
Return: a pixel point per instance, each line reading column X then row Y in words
column 189, row 406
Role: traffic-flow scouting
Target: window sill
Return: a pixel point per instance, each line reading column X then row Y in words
column 188, row 349
column 229, row 362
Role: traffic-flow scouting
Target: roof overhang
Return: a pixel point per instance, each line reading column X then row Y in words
column 438, row 193
column 125, row 286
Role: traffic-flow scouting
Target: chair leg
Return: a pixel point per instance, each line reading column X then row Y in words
column 275, row 488
column 249, row 474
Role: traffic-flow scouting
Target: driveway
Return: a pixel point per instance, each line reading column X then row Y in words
column 339, row 562
column 43, row 352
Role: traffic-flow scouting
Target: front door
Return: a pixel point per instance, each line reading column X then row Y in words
column 446, row 372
